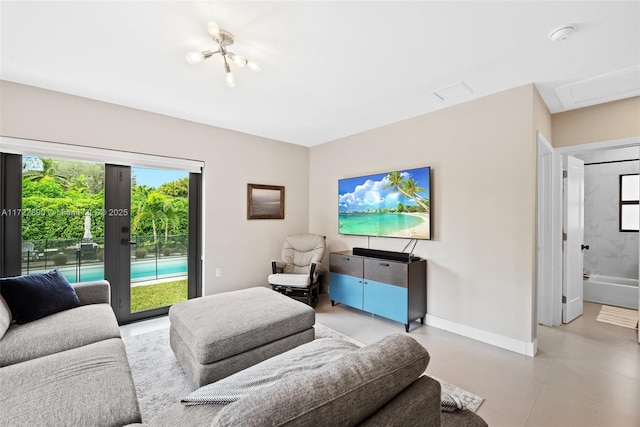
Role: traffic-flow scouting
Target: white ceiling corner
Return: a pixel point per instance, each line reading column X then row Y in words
column 607, row 87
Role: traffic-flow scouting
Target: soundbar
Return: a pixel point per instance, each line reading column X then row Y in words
column 391, row 255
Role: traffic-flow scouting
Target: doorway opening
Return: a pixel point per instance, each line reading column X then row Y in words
column 549, row 292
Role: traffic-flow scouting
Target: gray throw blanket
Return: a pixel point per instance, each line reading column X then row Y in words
column 265, row 374
column 449, row 403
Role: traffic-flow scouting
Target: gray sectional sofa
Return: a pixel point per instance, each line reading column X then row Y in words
column 68, row 368
column 378, row 385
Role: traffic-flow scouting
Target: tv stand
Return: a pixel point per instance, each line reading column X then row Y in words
column 393, row 289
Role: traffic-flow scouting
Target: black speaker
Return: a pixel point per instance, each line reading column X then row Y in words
column 391, row 255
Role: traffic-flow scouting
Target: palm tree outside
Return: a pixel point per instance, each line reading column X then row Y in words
column 40, row 168
column 151, row 207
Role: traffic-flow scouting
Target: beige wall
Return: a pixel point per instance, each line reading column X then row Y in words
column 481, row 258
column 242, row 248
column 604, row 122
column 542, row 119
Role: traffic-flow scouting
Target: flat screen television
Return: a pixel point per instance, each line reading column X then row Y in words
column 390, row 204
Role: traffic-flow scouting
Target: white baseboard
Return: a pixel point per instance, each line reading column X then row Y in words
column 522, row 347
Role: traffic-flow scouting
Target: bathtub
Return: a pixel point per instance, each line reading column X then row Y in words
column 608, row 290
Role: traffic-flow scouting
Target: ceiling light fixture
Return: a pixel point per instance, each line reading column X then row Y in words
column 562, row 32
column 223, row 39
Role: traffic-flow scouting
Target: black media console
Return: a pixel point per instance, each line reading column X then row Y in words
column 391, row 288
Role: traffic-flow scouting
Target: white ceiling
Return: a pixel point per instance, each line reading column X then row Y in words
column 329, row 69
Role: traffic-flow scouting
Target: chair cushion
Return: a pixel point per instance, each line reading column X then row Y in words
column 300, row 250
column 345, row 392
column 5, row 317
column 295, row 280
column 35, row 296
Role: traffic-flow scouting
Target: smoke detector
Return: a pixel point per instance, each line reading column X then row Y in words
column 562, row 32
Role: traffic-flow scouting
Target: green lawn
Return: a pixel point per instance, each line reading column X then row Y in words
column 158, row 295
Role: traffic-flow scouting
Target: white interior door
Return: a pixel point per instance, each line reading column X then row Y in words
column 544, row 238
column 572, row 283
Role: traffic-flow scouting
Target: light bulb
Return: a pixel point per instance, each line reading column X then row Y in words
column 254, row 66
column 230, row 80
column 194, row 57
column 237, row 59
column 214, row 30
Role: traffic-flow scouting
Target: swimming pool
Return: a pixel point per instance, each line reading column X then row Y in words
column 141, row 270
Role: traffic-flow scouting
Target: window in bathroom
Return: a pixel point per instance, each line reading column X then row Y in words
column 629, row 205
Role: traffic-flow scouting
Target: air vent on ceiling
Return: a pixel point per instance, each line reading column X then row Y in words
column 452, row 92
column 608, row 87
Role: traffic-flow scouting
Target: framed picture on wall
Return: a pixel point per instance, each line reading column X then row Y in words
column 265, row 201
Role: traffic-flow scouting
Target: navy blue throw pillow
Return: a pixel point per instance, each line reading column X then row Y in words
column 35, row 296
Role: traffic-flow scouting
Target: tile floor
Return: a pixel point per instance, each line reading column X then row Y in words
column 586, row 373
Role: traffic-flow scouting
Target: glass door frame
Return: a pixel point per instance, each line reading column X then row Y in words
column 118, row 244
column 10, row 220
column 11, row 152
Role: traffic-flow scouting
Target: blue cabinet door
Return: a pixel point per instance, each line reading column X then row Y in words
column 346, row 290
column 386, row 300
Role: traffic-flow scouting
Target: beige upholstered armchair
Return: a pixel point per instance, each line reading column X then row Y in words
column 300, row 271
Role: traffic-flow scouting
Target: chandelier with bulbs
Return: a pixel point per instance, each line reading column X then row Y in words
column 223, row 39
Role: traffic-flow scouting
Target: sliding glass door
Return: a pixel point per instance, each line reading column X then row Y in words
column 136, row 227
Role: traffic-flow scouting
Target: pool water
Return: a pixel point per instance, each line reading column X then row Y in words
column 141, row 270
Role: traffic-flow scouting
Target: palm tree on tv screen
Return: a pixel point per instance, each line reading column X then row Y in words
column 408, row 187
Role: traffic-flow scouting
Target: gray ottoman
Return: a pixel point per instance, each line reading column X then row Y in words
column 218, row 335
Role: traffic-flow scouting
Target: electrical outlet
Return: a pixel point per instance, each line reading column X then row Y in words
column 219, row 272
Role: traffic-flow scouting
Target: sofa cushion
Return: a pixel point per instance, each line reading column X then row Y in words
column 304, row 358
column 5, row 317
column 85, row 386
column 35, row 296
column 178, row 415
column 58, row 332
column 93, row 292
column 347, row 391
column 462, row 418
column 419, row 401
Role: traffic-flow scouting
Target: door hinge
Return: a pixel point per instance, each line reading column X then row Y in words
column 564, row 174
column 564, row 299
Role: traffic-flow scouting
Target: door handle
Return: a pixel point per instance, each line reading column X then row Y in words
column 127, row 242
column 583, row 247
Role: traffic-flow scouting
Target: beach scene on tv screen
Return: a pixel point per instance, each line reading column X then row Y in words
column 392, row 204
